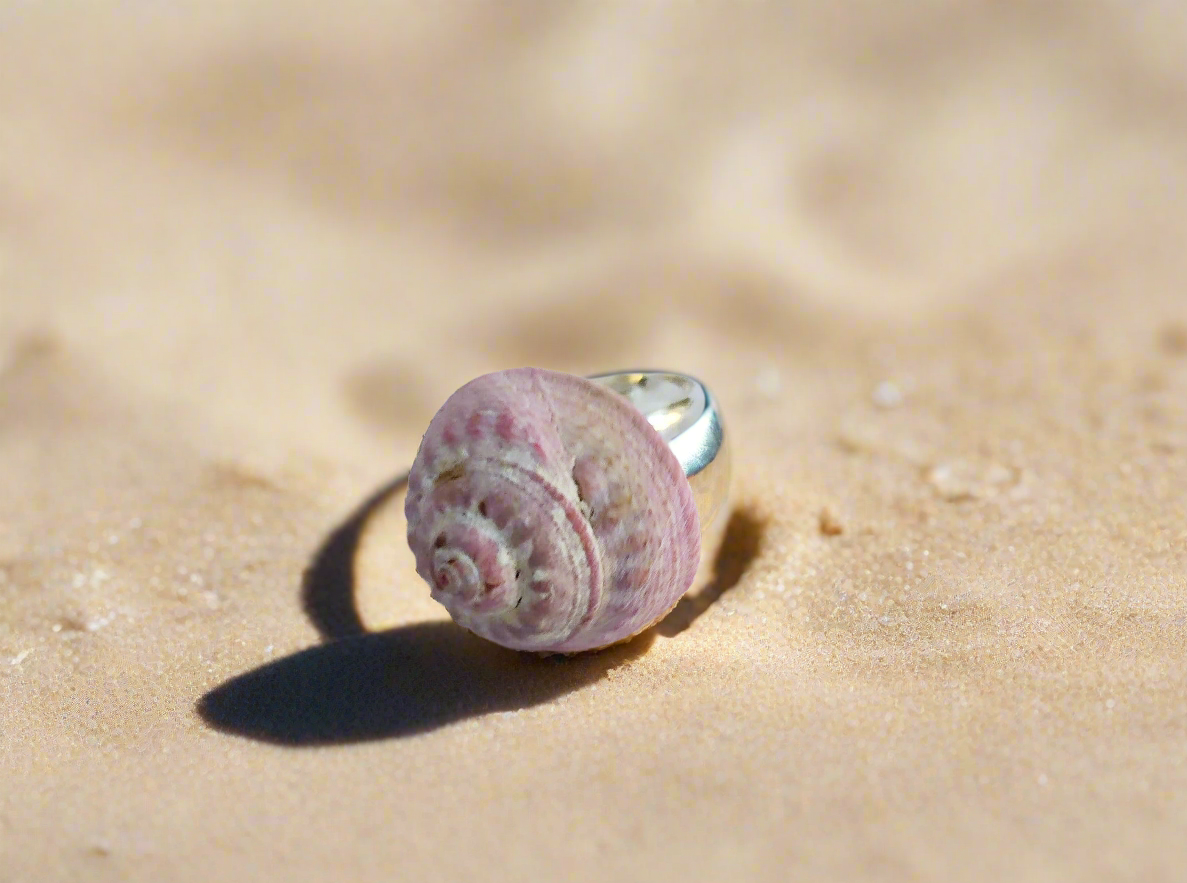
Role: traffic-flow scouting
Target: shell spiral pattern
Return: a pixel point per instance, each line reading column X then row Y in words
column 546, row 514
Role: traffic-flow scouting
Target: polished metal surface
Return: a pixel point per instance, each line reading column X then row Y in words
column 688, row 417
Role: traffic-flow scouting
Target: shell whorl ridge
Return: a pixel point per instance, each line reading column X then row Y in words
column 546, row 514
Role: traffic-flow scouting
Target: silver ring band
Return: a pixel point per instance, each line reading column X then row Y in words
column 686, row 414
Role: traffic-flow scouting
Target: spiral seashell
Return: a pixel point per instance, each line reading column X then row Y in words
column 547, row 514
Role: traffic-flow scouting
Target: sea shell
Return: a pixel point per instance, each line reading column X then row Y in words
column 546, row 514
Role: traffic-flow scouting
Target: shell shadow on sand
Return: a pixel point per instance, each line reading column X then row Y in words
column 360, row 686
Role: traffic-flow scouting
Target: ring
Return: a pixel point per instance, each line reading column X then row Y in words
column 687, row 416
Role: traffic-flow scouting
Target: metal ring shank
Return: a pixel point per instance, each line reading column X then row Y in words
column 688, row 417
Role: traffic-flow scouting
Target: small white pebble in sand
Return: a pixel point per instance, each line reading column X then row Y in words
column 268, row 650
column 1109, row 703
column 960, row 480
column 98, row 622
column 21, row 657
column 1042, row 780
column 768, row 382
column 887, row 395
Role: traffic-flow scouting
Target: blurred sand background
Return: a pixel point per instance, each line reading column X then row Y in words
column 931, row 257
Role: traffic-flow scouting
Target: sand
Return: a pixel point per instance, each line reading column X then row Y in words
column 932, row 263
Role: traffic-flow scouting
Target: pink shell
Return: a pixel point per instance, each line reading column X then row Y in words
column 546, row 513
